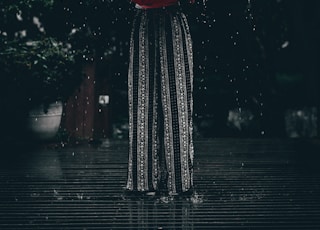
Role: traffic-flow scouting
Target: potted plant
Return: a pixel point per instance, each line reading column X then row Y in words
column 39, row 67
column 40, row 39
column 42, row 74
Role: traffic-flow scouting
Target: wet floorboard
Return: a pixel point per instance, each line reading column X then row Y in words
column 244, row 184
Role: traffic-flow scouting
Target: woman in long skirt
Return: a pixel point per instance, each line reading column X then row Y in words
column 160, row 85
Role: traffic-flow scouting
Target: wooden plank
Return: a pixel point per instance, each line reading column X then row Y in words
column 245, row 184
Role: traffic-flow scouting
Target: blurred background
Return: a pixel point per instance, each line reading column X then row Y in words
column 256, row 68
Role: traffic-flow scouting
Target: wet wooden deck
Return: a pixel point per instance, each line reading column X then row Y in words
column 245, row 184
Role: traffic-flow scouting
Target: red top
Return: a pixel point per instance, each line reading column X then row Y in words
column 149, row 4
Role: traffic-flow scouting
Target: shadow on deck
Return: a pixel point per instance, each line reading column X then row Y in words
column 245, row 184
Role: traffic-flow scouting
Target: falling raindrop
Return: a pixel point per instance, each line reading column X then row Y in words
column 285, row 44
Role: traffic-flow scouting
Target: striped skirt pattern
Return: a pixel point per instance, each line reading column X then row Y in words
column 160, row 85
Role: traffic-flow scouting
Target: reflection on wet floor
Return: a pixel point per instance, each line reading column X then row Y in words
column 239, row 183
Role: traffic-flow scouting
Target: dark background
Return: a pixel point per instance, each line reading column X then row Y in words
column 256, row 62
column 258, row 59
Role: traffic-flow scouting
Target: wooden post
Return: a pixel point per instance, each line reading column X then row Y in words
column 80, row 108
column 87, row 112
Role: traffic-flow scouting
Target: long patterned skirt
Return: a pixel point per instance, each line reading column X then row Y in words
column 160, row 85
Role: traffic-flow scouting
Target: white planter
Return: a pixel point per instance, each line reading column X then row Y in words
column 44, row 125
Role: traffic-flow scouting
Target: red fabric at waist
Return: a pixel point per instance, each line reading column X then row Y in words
column 152, row 4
